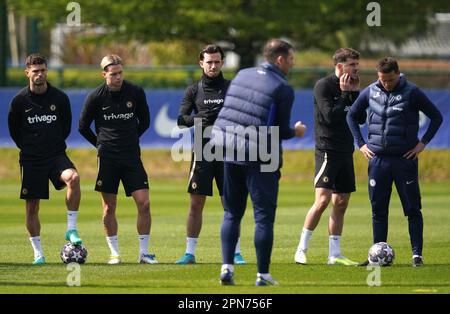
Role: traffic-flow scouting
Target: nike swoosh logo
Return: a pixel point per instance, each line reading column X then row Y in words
column 28, row 110
column 163, row 123
column 336, row 98
column 104, row 108
column 409, row 182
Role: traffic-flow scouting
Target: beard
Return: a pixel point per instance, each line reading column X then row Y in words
column 39, row 82
column 354, row 75
column 213, row 73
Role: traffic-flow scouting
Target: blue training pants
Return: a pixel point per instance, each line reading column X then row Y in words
column 239, row 181
column 383, row 171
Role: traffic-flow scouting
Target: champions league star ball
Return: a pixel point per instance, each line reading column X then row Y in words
column 381, row 254
column 71, row 253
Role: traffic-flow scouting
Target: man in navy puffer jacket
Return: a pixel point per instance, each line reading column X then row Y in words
column 255, row 116
column 393, row 148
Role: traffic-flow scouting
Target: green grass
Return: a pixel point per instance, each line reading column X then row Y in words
column 169, row 209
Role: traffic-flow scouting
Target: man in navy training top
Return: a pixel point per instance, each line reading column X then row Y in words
column 393, row 147
column 258, row 97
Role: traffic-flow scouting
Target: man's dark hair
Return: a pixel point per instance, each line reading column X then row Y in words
column 275, row 48
column 387, row 65
column 210, row 49
column 343, row 54
column 35, row 58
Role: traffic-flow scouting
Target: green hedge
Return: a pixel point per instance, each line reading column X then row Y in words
column 182, row 76
column 84, row 77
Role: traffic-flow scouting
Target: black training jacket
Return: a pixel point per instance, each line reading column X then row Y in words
column 204, row 99
column 331, row 105
column 120, row 118
column 40, row 123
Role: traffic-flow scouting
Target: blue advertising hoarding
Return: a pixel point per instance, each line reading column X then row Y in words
column 164, row 105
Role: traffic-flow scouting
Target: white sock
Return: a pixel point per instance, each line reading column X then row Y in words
column 304, row 240
column 113, row 243
column 36, row 244
column 191, row 245
column 72, row 219
column 238, row 246
column 230, row 267
column 265, row 276
column 143, row 243
column 334, row 245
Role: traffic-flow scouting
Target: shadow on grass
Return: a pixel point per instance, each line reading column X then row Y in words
column 29, row 265
column 364, row 284
column 63, row 284
column 408, row 265
column 32, row 284
column 305, row 267
column 284, row 285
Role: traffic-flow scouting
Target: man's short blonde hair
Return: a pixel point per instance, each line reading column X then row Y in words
column 110, row 59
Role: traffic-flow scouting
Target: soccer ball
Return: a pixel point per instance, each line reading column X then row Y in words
column 381, row 254
column 71, row 253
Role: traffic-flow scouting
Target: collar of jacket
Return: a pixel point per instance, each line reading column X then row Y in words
column 212, row 81
column 272, row 67
column 29, row 92
column 118, row 92
column 335, row 78
column 400, row 85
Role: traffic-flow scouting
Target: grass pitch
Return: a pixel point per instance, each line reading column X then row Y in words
column 169, row 203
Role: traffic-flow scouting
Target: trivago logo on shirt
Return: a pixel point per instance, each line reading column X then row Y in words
column 119, row 116
column 213, row 101
column 45, row 118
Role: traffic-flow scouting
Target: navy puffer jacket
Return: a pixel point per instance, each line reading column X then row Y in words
column 251, row 101
column 393, row 120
